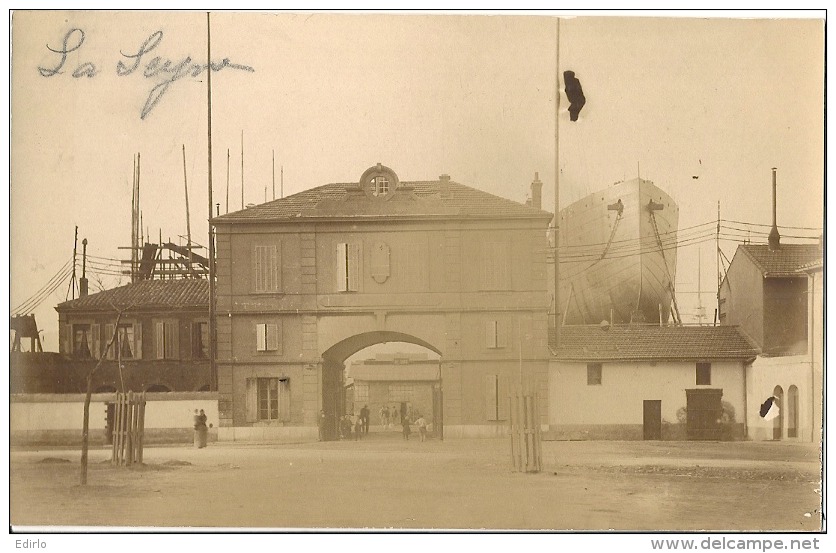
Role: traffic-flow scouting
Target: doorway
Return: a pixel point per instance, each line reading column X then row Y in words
column 652, row 424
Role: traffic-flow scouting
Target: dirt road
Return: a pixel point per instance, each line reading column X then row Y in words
column 385, row 482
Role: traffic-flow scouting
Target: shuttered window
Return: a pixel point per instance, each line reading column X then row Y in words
column 268, row 399
column 200, row 340
column 128, row 342
column 268, row 337
column 167, row 340
column 348, row 267
column 267, row 274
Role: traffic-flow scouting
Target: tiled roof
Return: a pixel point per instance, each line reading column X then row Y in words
column 410, row 199
column 183, row 293
column 785, row 261
column 637, row 342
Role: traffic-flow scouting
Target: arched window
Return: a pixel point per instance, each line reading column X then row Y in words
column 778, row 422
column 792, row 412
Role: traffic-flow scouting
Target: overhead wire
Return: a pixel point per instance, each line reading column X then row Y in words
column 46, row 290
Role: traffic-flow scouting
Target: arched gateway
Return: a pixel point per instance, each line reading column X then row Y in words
column 305, row 281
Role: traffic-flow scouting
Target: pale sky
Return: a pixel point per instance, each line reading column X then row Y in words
column 472, row 96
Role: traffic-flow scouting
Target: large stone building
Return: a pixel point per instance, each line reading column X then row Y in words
column 306, row 281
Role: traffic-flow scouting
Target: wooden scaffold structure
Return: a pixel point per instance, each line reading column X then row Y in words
column 128, row 429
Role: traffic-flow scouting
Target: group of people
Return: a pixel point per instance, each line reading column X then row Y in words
column 420, row 422
column 356, row 425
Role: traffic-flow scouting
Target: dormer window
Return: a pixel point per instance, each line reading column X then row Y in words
column 380, row 186
column 378, row 182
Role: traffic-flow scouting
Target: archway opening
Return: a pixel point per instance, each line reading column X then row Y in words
column 778, row 422
column 381, row 380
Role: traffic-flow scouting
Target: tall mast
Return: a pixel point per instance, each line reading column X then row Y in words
column 274, row 174
column 227, row 180
column 557, row 317
column 188, row 218
column 212, row 331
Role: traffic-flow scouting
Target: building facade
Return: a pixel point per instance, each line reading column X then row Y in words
column 633, row 382
column 306, row 281
column 774, row 292
column 160, row 344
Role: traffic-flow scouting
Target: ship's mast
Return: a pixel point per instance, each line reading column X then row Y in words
column 557, row 320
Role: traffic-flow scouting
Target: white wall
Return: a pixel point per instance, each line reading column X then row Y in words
column 762, row 377
column 624, row 386
column 43, row 412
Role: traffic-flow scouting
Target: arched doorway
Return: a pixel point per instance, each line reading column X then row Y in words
column 778, row 422
column 399, row 395
column 792, row 412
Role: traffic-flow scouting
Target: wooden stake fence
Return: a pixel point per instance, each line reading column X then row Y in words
column 526, row 454
column 128, row 429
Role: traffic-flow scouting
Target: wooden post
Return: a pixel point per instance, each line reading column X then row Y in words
column 538, row 435
column 512, row 430
column 117, row 430
column 128, row 423
column 141, row 437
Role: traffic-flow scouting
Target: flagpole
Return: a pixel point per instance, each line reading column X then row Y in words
column 213, row 375
column 557, row 187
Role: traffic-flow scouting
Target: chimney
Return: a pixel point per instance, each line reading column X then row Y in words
column 774, row 237
column 537, row 191
column 82, row 282
column 445, row 185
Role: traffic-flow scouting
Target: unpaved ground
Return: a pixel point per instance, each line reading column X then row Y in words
column 384, row 482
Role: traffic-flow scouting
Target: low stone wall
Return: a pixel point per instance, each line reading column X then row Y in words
column 57, row 419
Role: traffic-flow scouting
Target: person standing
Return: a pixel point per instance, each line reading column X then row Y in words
column 321, row 424
column 365, row 416
column 406, row 429
column 421, row 423
column 357, row 425
column 384, row 417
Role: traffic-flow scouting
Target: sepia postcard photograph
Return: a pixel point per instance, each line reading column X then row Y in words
column 321, row 271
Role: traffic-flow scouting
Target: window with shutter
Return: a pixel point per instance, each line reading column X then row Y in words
column 268, row 337
column 273, row 337
column 342, row 267
column 261, row 337
column 166, row 340
column 95, row 330
column 349, row 266
column 267, row 268
column 200, row 340
column 284, row 400
column 268, row 399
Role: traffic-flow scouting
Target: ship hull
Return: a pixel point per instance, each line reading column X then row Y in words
column 618, row 267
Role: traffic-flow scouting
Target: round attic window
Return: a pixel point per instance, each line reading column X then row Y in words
column 379, row 181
